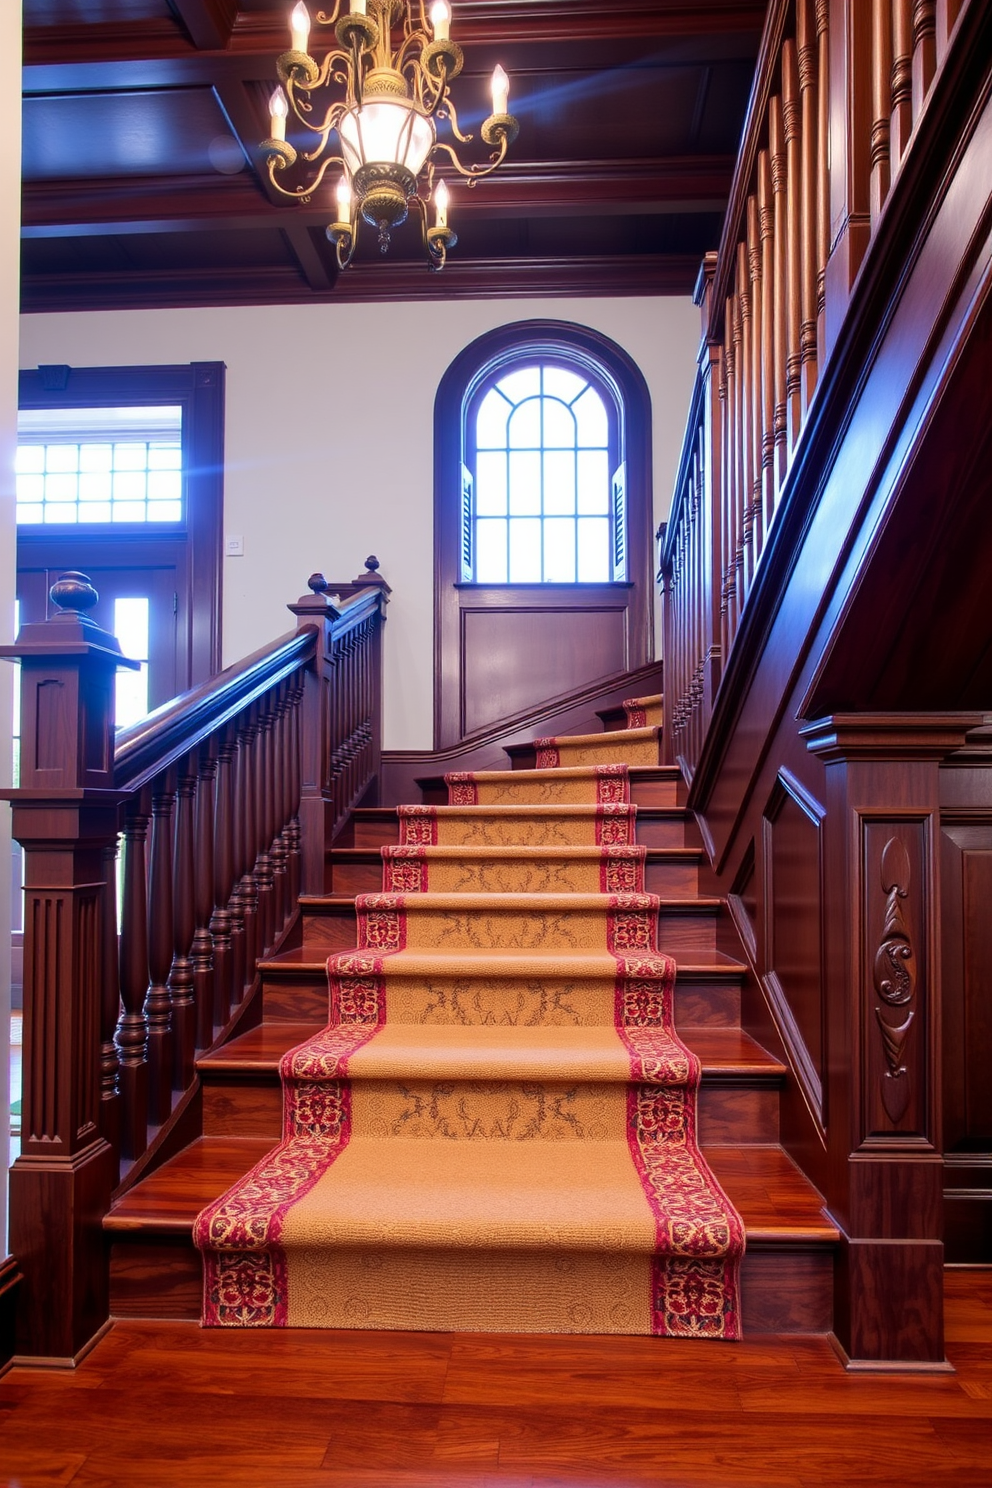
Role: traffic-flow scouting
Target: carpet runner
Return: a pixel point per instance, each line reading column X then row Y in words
column 496, row 1131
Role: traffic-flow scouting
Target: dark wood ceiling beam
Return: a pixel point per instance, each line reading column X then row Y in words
column 210, row 23
column 654, row 274
column 318, row 273
column 193, row 204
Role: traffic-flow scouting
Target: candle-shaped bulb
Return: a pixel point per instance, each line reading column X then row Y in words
column 358, row 7
column 343, row 193
column 501, row 90
column 299, row 23
column 278, row 109
column 441, row 197
column 441, row 20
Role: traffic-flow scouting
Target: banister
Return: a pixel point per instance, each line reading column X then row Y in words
column 148, row 747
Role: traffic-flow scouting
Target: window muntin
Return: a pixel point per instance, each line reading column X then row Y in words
column 99, row 466
column 542, row 481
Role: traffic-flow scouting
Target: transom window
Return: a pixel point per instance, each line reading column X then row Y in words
column 544, row 503
column 99, row 465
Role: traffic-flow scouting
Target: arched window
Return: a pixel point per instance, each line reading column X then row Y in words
column 543, row 480
column 542, row 523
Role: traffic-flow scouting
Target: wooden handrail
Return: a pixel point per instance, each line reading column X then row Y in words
column 224, row 800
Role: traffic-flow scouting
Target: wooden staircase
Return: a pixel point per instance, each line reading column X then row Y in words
column 787, row 1277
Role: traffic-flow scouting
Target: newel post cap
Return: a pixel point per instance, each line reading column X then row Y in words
column 70, row 631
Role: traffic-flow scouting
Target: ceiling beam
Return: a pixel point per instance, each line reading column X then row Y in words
column 210, row 23
column 54, row 209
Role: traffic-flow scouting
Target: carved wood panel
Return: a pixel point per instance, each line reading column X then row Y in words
column 793, row 974
column 896, row 1028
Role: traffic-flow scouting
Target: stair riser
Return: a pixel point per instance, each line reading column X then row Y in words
column 662, row 831
column 676, row 880
column 782, row 1290
column 742, row 1113
column 712, row 1003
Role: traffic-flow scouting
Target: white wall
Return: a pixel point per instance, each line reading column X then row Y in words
column 329, row 441
column 10, row 195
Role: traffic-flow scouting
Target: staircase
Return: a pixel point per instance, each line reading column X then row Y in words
column 788, row 1267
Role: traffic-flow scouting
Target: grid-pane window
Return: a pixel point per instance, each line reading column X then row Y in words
column 99, row 465
column 543, row 491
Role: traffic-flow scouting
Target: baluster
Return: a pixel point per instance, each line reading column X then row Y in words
column 220, row 919
column 279, row 852
column 203, row 950
column 766, row 340
column 902, row 79
column 181, row 977
column 132, row 1031
column 822, row 175
column 248, row 835
column 757, row 292
column 263, row 863
column 734, row 546
column 235, row 903
column 947, row 15
column 723, row 494
column 110, row 1007
column 807, row 60
column 161, row 941
column 924, row 52
column 791, row 119
column 881, row 104
column 780, row 432
column 747, row 420
column 295, row 747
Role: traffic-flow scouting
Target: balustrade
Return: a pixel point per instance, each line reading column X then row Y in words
column 218, row 799
column 839, row 91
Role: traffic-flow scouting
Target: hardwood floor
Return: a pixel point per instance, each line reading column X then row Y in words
column 163, row 1404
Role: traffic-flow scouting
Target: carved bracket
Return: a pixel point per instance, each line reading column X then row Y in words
column 894, row 972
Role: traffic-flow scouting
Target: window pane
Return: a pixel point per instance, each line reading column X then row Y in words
column 594, row 550
column 30, row 487
column 95, row 486
column 525, row 425
column 523, row 384
column 165, row 485
column 559, row 425
column 490, row 425
column 131, row 627
column 130, row 456
column 165, row 511
column 594, row 428
column 129, row 485
column 94, row 511
column 559, row 550
column 559, row 482
column 60, row 511
column 594, row 483
column 525, row 550
column 129, row 511
column 561, row 384
column 164, row 457
column 490, row 551
column 30, row 513
column 525, row 484
column 29, row 457
column 62, row 457
column 490, row 485
column 96, row 456
column 61, row 488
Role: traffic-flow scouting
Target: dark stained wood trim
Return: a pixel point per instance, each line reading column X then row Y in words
column 210, row 23
column 199, row 387
column 480, row 279
column 10, row 1281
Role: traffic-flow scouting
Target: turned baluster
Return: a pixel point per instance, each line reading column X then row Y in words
column 822, row 175
column 132, row 1031
column 263, row 862
column 747, row 420
column 807, row 58
column 279, row 850
column 220, row 919
column 733, row 549
column 246, row 794
column 110, row 1006
column 161, row 942
column 270, row 801
column 881, row 104
column 780, row 433
column 203, row 949
column 295, row 834
column 791, row 119
column 902, row 79
column 924, row 52
column 723, row 490
column 947, row 15
column 757, row 378
column 181, row 977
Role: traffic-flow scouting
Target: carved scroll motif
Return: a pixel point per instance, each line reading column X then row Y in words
column 895, row 979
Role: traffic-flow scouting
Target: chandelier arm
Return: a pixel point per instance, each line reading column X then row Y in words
column 344, row 247
column 323, row 19
column 301, row 193
column 473, row 173
column 451, row 114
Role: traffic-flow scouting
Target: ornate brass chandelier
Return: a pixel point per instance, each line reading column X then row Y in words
column 394, row 65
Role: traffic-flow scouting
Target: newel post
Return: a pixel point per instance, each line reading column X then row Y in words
column 316, row 811
column 882, row 967
column 65, row 816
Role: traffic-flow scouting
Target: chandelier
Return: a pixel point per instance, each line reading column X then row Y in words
column 393, row 66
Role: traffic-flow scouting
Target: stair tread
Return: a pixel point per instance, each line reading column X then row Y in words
column 777, row 1204
column 686, row 903
column 314, row 958
column 722, row 1051
column 564, row 850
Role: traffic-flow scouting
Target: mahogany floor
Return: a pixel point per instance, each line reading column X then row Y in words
column 159, row 1405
